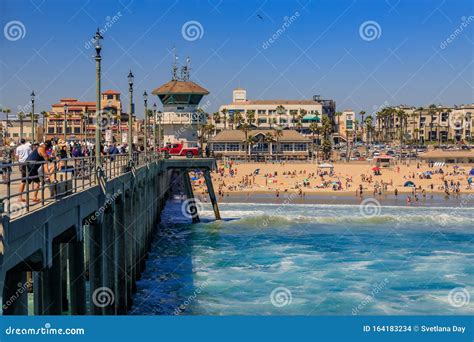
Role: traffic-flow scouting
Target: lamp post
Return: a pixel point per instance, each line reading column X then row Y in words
column 154, row 127
column 33, row 117
column 66, row 110
column 98, row 47
column 145, row 100
column 159, row 115
column 130, row 114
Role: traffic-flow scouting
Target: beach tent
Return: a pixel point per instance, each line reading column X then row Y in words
column 427, row 173
column 469, row 180
column 326, row 166
column 256, row 172
column 472, row 172
column 409, row 184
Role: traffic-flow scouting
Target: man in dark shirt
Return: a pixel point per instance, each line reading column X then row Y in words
column 34, row 161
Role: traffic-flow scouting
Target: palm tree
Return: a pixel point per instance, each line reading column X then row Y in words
column 293, row 114
column 269, row 140
column 368, row 124
column 420, row 112
column 314, row 129
column 21, row 116
column 449, row 111
column 45, row 116
column 250, row 114
column 245, row 127
column 362, row 114
column 431, row 112
column 216, row 117
column 224, row 114
column 7, row 112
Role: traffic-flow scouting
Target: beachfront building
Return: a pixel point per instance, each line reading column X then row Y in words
column 448, row 156
column 79, row 118
column 345, row 126
column 260, row 144
column 270, row 114
column 180, row 119
column 14, row 130
column 438, row 124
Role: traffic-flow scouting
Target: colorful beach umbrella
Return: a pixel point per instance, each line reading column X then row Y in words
column 376, row 168
column 409, row 184
column 472, row 172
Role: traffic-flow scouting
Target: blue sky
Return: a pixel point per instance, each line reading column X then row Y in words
column 321, row 51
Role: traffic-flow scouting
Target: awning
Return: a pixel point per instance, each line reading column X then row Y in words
column 326, row 166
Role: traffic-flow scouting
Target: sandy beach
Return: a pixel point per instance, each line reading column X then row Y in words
column 347, row 179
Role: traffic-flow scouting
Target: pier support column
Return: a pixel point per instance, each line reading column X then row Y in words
column 121, row 290
column 52, row 284
column 95, row 264
column 77, row 278
column 189, row 194
column 212, row 194
column 15, row 293
column 38, row 293
column 108, row 262
column 128, row 243
column 64, row 255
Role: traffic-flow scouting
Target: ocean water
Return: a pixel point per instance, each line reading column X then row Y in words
column 310, row 259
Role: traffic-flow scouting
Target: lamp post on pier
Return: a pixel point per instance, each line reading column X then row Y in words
column 154, row 127
column 130, row 115
column 33, row 117
column 66, row 111
column 98, row 47
column 145, row 100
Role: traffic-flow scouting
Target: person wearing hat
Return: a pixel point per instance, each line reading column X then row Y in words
column 34, row 161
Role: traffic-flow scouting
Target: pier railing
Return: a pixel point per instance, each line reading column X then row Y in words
column 57, row 178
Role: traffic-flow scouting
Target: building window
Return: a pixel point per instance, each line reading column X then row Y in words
column 77, row 129
column 283, row 121
column 287, row 147
column 262, row 112
column 301, row 147
column 15, row 135
column 233, row 147
column 271, row 112
column 50, row 130
column 218, row 147
column 110, row 97
column 262, row 120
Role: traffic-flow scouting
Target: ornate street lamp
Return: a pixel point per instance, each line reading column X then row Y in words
column 154, row 127
column 66, row 112
column 33, row 116
column 159, row 116
column 98, row 47
column 130, row 114
column 145, row 100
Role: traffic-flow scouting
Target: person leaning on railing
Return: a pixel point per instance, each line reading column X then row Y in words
column 34, row 161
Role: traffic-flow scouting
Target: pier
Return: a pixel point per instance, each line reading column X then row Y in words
column 83, row 251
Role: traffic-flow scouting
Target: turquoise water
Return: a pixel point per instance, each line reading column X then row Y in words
column 277, row 259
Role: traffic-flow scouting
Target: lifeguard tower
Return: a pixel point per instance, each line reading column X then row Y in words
column 181, row 120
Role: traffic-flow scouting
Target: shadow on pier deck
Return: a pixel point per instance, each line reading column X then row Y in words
column 91, row 242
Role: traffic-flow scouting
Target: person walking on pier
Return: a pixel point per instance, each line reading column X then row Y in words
column 21, row 153
column 37, row 159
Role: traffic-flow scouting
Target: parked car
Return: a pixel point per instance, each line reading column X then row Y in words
column 178, row 149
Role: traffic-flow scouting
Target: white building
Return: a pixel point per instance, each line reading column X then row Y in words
column 268, row 114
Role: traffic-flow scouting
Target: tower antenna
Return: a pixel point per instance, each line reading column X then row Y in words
column 174, row 76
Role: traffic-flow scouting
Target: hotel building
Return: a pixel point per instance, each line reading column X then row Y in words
column 270, row 114
column 424, row 124
column 80, row 118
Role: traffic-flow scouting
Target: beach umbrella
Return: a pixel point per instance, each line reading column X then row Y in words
column 376, row 168
column 472, row 172
column 428, row 173
column 325, row 166
column 194, row 178
column 409, row 184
